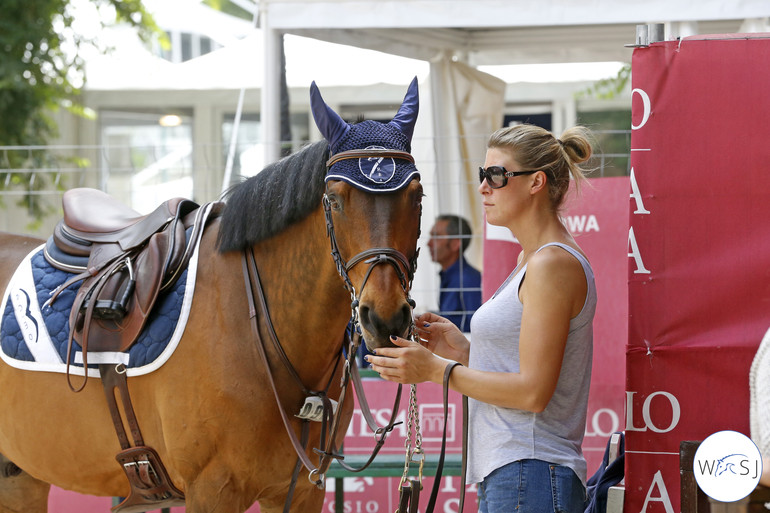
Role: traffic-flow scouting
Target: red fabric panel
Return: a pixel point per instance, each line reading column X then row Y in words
column 696, row 317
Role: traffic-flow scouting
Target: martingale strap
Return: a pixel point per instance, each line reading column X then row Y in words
column 251, row 276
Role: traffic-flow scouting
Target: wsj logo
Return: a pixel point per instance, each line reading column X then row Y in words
column 727, row 466
column 734, row 464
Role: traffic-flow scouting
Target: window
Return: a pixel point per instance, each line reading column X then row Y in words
column 144, row 162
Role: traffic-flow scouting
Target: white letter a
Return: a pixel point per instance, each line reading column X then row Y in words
column 658, row 480
column 637, row 196
column 640, row 269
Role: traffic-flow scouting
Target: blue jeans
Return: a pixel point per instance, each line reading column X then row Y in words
column 531, row 486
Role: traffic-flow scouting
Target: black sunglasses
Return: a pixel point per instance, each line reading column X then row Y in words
column 497, row 176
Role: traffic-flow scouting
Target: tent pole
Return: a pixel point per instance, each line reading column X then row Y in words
column 270, row 113
column 236, row 125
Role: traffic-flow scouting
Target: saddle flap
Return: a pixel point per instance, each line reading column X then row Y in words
column 99, row 325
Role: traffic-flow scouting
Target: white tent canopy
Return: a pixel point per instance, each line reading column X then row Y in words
column 447, row 44
column 501, row 31
column 492, row 32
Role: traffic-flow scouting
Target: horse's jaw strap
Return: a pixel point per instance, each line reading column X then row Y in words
column 369, row 153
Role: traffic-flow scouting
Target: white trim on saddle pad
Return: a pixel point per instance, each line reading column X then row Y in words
column 96, row 358
column 47, row 356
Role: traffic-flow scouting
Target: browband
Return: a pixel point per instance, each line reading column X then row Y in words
column 357, row 154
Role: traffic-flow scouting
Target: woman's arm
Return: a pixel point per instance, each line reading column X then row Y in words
column 552, row 293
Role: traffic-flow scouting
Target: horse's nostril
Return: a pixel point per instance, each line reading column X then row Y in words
column 406, row 312
column 363, row 315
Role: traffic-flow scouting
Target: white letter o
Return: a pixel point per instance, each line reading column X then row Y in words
column 646, row 104
column 675, row 412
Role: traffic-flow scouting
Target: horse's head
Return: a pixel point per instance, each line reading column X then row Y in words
column 373, row 203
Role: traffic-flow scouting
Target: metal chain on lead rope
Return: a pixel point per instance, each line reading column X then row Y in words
column 415, row 455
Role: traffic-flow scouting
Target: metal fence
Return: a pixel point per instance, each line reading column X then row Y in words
column 33, row 178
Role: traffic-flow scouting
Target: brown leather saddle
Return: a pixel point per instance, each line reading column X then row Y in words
column 130, row 259
column 124, row 260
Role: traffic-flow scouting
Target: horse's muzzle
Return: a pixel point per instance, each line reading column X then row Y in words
column 377, row 331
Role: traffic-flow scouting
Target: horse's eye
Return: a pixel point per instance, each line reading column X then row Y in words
column 334, row 202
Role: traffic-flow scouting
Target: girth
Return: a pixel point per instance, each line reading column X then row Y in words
column 151, row 486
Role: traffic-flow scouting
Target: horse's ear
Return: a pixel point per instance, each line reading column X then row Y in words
column 331, row 125
column 406, row 116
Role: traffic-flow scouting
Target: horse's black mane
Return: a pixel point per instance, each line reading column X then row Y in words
column 282, row 194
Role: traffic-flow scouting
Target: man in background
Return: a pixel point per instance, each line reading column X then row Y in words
column 460, row 290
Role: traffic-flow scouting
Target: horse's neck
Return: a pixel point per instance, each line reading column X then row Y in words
column 308, row 304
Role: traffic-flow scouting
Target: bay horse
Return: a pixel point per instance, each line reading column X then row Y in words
column 209, row 411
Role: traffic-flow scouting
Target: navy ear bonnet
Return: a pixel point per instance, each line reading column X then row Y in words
column 379, row 172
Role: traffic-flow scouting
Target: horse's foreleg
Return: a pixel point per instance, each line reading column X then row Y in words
column 215, row 492
column 20, row 492
column 307, row 499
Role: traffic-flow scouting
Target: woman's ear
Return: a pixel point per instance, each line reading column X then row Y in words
column 539, row 182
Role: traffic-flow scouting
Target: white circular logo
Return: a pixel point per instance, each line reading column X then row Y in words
column 377, row 169
column 727, row 466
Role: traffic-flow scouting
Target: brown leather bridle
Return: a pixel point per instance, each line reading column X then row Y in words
column 405, row 269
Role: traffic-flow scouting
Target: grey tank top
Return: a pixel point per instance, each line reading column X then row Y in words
column 498, row 436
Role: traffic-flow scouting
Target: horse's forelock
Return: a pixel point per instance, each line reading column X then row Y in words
column 283, row 193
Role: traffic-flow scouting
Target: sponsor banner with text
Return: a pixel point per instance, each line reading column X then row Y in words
column 698, row 248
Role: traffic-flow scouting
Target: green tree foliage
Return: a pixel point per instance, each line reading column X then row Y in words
column 607, row 88
column 41, row 70
column 228, row 7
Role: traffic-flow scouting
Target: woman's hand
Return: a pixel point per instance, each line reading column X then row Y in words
column 440, row 336
column 407, row 363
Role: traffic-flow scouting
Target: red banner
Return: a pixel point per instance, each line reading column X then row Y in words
column 699, row 251
column 598, row 219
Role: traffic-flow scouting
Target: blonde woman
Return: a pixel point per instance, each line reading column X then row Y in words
column 528, row 370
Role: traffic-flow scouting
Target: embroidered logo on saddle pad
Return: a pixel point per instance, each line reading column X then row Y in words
column 34, row 337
